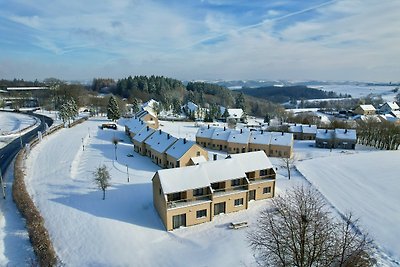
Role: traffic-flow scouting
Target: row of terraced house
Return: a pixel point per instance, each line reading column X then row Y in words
column 274, row 144
column 164, row 149
column 192, row 190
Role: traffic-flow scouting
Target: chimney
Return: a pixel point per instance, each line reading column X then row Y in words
column 208, row 127
column 224, row 128
column 142, row 122
column 147, row 128
column 184, row 140
column 168, row 136
column 241, row 131
column 326, row 130
column 282, row 133
column 295, row 124
column 214, row 156
column 160, row 131
column 345, row 131
column 262, row 131
column 268, row 123
column 309, row 125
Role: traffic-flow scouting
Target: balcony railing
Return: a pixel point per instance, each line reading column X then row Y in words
column 229, row 190
column 190, row 201
column 264, row 177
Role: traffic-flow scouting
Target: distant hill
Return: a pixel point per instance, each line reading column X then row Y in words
column 283, row 94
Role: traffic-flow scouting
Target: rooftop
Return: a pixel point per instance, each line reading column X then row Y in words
column 179, row 148
column 202, row 175
column 143, row 134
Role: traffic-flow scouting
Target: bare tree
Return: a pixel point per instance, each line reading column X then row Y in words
column 102, row 178
column 288, row 164
column 300, row 231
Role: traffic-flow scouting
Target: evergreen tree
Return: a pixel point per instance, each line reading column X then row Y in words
column 241, row 102
column 226, row 114
column 135, row 105
column 113, row 112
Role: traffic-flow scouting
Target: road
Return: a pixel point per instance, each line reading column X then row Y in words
column 8, row 152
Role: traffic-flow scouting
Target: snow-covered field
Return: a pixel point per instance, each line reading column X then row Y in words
column 357, row 91
column 124, row 229
column 11, row 123
column 367, row 184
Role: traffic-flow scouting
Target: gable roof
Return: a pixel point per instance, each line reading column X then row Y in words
column 367, row 107
column 260, row 138
column 324, row 134
column 205, row 132
column 143, row 134
column 160, row 141
column 202, row 175
column 281, row 139
column 179, row 148
column 182, row 179
column 241, row 137
column 221, row 134
column 134, row 125
column 391, row 105
column 346, row 134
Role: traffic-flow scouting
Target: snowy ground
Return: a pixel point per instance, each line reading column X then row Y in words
column 366, row 184
column 124, row 229
column 15, row 248
column 11, row 123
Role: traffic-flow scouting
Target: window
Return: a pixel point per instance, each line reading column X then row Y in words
column 235, row 182
column 267, row 190
column 198, row 153
column 263, row 172
column 198, row 192
column 201, row 214
column 239, row 202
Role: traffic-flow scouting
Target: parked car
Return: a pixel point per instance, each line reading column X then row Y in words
column 109, row 126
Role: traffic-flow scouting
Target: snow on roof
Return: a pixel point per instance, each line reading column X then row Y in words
column 241, row 137
column 324, row 134
column 281, row 139
column 135, row 125
column 192, row 106
column 199, row 159
column 252, row 161
column 222, row 170
column 205, row 132
column 235, row 112
column 202, row 175
column 295, row 128
column 143, row 134
column 179, row 148
column 396, row 113
column 347, row 134
column 367, row 107
column 182, row 179
column 260, row 138
column 309, row 129
column 160, row 141
column 221, row 134
column 392, row 105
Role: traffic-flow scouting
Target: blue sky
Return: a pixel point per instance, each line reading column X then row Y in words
column 208, row 39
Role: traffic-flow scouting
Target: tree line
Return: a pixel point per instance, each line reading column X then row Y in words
column 382, row 135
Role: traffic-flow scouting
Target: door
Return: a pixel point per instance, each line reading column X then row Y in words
column 219, row 208
column 178, row 220
column 252, row 195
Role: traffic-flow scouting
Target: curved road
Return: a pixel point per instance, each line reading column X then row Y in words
column 8, row 152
